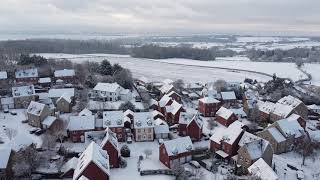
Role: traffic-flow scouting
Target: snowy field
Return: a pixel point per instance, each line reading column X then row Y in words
column 20, row 131
column 314, row 70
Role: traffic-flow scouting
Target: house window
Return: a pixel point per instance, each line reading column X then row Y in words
column 119, row 129
column 139, row 137
column 149, row 136
column 138, row 130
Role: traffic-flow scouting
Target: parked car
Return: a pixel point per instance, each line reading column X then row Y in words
column 13, row 112
column 39, row 132
column 33, row 130
column 129, row 140
column 195, row 164
column 6, row 110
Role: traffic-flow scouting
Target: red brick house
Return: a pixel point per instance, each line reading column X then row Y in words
column 157, row 115
column 175, row 96
column 164, row 101
column 93, row 164
column 176, row 152
column 225, row 116
column 78, row 125
column 114, row 120
column 228, row 98
column 224, row 142
column 172, row 113
column 111, row 145
column 67, row 75
column 208, row 106
column 191, row 126
column 27, row 75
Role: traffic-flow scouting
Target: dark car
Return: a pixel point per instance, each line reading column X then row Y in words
column 32, row 131
column 39, row 132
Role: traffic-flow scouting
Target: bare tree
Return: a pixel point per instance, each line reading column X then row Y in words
column 11, row 133
column 49, row 141
column 305, row 147
column 148, row 153
column 26, row 161
column 220, row 85
column 211, row 123
column 178, row 85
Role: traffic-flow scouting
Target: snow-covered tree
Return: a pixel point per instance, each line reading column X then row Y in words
column 148, row 153
column 125, row 151
column 11, row 133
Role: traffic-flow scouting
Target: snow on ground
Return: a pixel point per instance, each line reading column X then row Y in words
column 21, row 136
column 285, row 70
column 157, row 70
column 314, row 70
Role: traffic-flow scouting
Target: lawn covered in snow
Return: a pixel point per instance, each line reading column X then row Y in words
column 20, row 131
column 314, row 70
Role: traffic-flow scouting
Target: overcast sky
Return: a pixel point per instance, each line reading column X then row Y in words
column 162, row 16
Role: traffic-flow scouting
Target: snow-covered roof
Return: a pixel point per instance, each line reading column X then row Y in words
column 261, row 169
column 27, row 73
column 197, row 119
column 155, row 113
column 209, row 100
column 107, row 87
column 113, row 119
column 247, row 138
column 64, row 73
column 57, row 93
column 144, row 79
column 128, row 112
column 4, row 157
column 77, row 123
column 83, row 178
column 160, row 127
column 69, row 165
column 153, row 102
column 3, row 75
column 185, row 118
column 174, row 107
column 178, row 146
column 173, row 92
column 44, row 80
column 164, row 100
column 290, row 101
column 228, row 95
column 48, row 121
column 282, row 110
column 239, row 111
column 166, row 88
column 7, row 100
column 66, row 96
column 276, row 134
column 314, row 107
column 256, row 148
column 142, row 120
column 92, row 154
column 112, row 138
column 224, row 113
column 266, row 107
column 229, row 134
column 85, row 112
column 35, row 108
column 21, row 91
column 290, row 128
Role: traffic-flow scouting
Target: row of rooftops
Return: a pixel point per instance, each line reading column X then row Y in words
column 33, row 73
column 21, row 91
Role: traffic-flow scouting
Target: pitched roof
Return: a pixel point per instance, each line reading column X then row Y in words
column 266, row 107
column 164, row 100
column 92, row 154
column 108, row 87
column 247, row 138
column 57, row 93
column 290, row 127
column 276, row 134
column 290, row 101
column 178, row 146
column 27, row 73
column 174, row 107
column 128, row 112
column 64, row 73
column 185, row 118
column 166, row 88
column 21, row 91
column 113, row 119
column 229, row 95
column 85, row 112
column 4, row 157
column 112, row 138
column 282, row 110
column 160, row 126
column 209, row 100
column 155, row 113
column 261, row 169
column 229, row 134
column 69, row 165
column 48, row 121
column 142, row 120
column 256, row 148
column 77, row 123
column 35, row 108
column 224, row 113
column 196, row 118
column 66, row 96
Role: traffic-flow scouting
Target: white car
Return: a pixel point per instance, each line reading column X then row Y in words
column 195, row 164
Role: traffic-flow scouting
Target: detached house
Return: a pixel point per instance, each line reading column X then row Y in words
column 111, row 146
column 176, row 152
column 143, row 127
column 27, row 75
column 64, row 103
column 172, row 113
column 175, row 96
column 78, row 125
column 228, row 98
column 110, row 92
column 93, row 164
column 262, row 170
column 208, row 106
column 114, row 120
column 163, row 102
column 224, row 142
column 37, row 114
column 253, row 148
column 161, row 129
column 191, row 126
column 225, row 116
column 298, row 106
column 66, row 75
column 23, row 95
column 55, row 94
